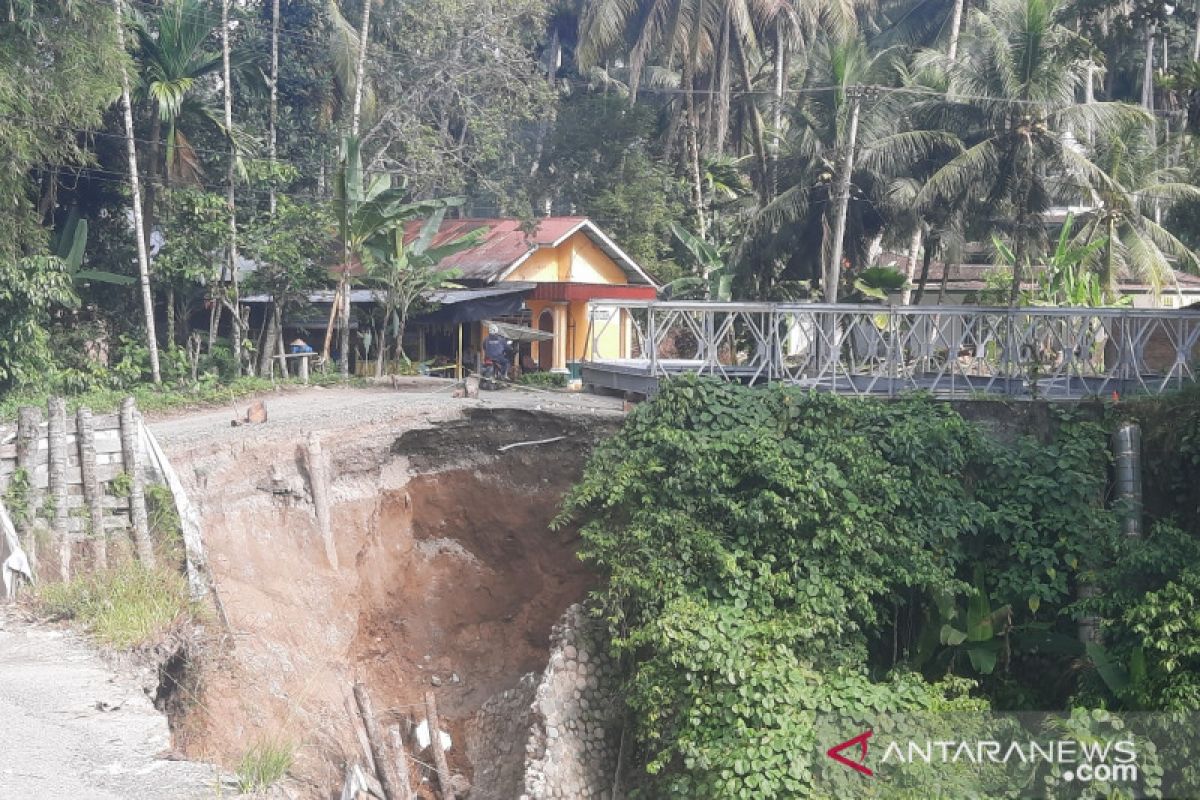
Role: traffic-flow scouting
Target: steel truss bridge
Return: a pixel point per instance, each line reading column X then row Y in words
column 876, row 350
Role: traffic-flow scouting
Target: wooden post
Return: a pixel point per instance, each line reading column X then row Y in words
column 132, row 457
column 435, row 739
column 56, row 472
column 404, row 784
column 458, row 370
column 303, row 369
column 383, row 765
column 29, row 419
column 93, row 493
column 318, row 478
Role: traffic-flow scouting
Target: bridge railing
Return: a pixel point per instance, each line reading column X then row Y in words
column 875, row 349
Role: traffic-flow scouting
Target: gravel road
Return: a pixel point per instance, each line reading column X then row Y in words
column 73, row 729
column 329, row 409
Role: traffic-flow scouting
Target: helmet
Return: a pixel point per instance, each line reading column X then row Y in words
column 493, row 330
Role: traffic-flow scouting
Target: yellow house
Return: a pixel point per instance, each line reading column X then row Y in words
column 554, row 269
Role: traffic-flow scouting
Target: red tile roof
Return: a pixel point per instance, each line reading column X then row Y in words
column 507, row 243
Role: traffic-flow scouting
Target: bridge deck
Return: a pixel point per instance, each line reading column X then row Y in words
column 1052, row 353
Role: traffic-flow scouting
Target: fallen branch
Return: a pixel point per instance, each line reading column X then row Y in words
column 529, row 444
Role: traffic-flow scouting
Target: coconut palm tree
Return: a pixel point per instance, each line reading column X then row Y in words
column 175, row 56
column 1137, row 189
column 787, row 241
column 708, row 41
column 1011, row 98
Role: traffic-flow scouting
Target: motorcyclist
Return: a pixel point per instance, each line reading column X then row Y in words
column 495, row 349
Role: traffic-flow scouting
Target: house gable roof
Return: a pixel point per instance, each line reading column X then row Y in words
column 506, row 245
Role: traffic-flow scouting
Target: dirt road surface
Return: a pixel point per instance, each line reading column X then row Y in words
column 327, row 410
column 73, row 729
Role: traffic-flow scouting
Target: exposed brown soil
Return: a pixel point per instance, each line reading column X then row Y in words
column 449, row 579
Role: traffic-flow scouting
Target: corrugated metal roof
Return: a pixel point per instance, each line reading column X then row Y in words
column 506, row 245
column 443, row 297
column 972, row 277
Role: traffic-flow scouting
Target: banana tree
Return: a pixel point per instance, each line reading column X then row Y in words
column 976, row 632
column 367, row 207
column 69, row 243
column 404, row 273
column 714, row 279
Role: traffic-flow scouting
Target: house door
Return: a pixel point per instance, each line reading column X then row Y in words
column 546, row 348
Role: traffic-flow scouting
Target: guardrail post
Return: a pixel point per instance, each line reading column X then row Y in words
column 652, row 339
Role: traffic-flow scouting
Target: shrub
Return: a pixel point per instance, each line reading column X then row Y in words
column 551, row 380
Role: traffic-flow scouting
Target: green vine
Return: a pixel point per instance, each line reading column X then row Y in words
column 771, row 554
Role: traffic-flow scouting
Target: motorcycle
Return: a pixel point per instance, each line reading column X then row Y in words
column 489, row 375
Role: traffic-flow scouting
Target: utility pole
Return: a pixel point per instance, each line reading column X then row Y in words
column 139, row 232
column 833, row 272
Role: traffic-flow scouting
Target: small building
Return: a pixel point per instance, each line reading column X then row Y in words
column 557, row 265
column 539, row 275
column 965, row 282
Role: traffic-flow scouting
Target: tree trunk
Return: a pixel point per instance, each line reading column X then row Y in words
column 214, row 319
column 1196, row 37
column 1014, row 294
column 1148, row 73
column 170, row 317
column 931, row 245
column 360, row 70
column 154, row 171
column 230, row 194
column 722, row 116
column 757, row 137
column 273, row 109
column 834, row 273
column 381, row 354
column 955, row 27
column 914, row 247
column 139, row 232
column 266, row 357
column 693, row 148
column 777, row 100
column 344, row 337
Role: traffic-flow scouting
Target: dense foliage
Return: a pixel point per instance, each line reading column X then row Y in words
column 679, row 127
column 773, row 555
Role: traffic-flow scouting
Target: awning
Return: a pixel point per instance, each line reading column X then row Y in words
column 475, row 305
column 519, row 333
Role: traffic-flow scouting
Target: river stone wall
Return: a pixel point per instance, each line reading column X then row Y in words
column 572, row 748
column 553, row 736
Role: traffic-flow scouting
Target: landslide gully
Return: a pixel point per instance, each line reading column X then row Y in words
column 449, row 579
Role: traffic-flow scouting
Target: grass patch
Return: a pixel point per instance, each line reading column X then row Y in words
column 265, row 764
column 123, row 607
column 161, row 398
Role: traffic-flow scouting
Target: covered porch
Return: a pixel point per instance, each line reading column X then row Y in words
column 561, row 309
